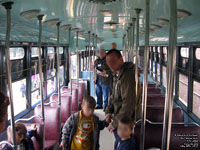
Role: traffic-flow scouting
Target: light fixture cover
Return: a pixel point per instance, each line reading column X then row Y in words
column 52, row 22
column 181, row 13
column 163, row 21
column 155, row 26
column 30, row 14
column 66, row 26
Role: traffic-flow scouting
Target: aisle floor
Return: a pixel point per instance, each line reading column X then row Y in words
column 106, row 138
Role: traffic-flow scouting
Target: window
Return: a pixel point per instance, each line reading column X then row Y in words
column 185, row 52
column 158, row 72
column 61, row 75
column 183, row 89
column 196, row 98
column 60, row 50
column 164, row 76
column 35, row 89
column 158, row 49
column 50, row 51
column 51, row 84
column 197, row 53
column 16, row 53
column 73, row 67
column 19, row 97
column 165, row 54
column 35, row 52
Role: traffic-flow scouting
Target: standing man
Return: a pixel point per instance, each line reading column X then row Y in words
column 102, row 80
column 113, row 45
column 123, row 101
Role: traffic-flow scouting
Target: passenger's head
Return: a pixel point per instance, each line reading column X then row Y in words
column 125, row 127
column 20, row 133
column 113, row 46
column 88, row 106
column 114, row 60
column 4, row 102
column 102, row 53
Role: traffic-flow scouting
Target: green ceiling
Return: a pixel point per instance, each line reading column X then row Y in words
column 86, row 16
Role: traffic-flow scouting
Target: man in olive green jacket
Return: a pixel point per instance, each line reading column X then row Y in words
column 123, row 101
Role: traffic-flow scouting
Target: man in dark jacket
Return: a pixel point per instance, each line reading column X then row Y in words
column 123, row 101
column 102, row 79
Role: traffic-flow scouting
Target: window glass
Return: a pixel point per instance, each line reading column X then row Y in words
column 61, row 75
column 35, row 97
column 154, row 49
column 164, row 50
column 185, row 52
column 35, row 52
column 164, row 76
column 35, row 82
column 51, row 84
column 73, row 59
column 50, row 50
column 158, row 72
column 19, row 97
column 60, row 50
column 183, row 89
column 16, row 53
column 158, row 49
column 197, row 53
column 196, row 98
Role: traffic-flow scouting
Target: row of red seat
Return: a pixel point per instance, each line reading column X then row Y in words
column 180, row 133
column 69, row 104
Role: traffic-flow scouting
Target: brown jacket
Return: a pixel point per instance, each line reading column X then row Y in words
column 123, row 100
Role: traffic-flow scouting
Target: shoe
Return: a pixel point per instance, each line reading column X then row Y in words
column 98, row 107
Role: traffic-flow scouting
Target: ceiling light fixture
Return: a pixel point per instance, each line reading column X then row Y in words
column 102, row 1
column 163, row 21
column 181, row 13
column 155, row 26
column 30, row 14
column 52, row 22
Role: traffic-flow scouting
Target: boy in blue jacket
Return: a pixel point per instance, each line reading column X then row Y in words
column 124, row 135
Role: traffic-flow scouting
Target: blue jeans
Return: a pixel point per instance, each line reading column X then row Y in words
column 102, row 92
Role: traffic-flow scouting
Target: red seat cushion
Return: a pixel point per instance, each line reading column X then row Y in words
column 65, row 106
column 74, row 99
column 80, row 90
column 156, row 114
column 155, row 100
column 179, row 133
column 51, row 122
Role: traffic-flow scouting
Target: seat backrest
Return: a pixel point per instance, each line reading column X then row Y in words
column 81, row 89
column 65, row 106
column 74, row 98
column 37, row 139
column 155, row 100
column 156, row 114
column 187, row 136
column 51, row 121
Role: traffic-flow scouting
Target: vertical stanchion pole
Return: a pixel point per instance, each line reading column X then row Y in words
column 89, row 57
column 145, row 77
column 137, row 50
column 77, row 64
column 94, row 51
column 41, row 78
column 133, row 38
column 170, row 75
column 8, row 7
column 58, row 73
column 70, row 63
column 137, row 47
column 123, row 46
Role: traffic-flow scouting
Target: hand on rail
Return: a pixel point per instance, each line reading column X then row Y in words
column 33, row 127
column 108, row 118
column 103, row 73
column 62, row 145
column 110, row 127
